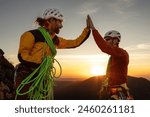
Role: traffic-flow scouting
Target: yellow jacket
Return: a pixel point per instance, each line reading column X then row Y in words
column 33, row 47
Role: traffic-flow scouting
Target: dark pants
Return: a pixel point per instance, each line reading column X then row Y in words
column 21, row 73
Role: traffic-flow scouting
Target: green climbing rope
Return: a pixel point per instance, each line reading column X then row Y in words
column 42, row 78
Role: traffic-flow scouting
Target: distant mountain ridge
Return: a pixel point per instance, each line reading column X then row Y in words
column 88, row 89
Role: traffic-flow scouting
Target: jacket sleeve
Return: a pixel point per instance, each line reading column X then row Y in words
column 73, row 43
column 25, row 48
column 105, row 47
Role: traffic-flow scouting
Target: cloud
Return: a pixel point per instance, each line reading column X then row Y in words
column 81, row 56
column 88, row 7
column 139, row 54
column 88, row 11
column 120, row 6
column 85, row 58
column 142, row 46
column 121, row 10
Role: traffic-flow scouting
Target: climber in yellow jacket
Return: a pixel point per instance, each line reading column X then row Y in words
column 33, row 46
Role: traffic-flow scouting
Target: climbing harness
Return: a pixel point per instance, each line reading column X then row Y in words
column 42, row 78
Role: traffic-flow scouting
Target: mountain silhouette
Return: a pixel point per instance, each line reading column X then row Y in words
column 88, row 89
column 139, row 88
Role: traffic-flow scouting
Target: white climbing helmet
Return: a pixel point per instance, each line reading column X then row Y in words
column 113, row 34
column 55, row 13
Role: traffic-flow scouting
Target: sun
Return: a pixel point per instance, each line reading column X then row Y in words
column 97, row 70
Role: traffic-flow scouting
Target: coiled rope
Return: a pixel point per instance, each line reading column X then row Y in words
column 42, row 78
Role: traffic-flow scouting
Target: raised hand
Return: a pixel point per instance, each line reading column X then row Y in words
column 90, row 23
column 87, row 22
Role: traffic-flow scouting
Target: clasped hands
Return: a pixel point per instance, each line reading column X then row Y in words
column 89, row 23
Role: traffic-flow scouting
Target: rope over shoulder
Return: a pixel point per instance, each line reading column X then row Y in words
column 42, row 84
column 48, row 40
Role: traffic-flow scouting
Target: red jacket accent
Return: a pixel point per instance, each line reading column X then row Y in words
column 118, row 65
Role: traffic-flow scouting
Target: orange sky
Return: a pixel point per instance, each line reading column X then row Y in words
column 82, row 66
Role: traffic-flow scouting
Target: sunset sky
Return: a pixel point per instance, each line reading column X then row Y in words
column 130, row 17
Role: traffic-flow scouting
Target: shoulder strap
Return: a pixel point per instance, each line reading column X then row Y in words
column 37, row 35
column 48, row 39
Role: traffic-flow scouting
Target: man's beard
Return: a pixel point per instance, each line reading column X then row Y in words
column 54, row 31
column 57, row 31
